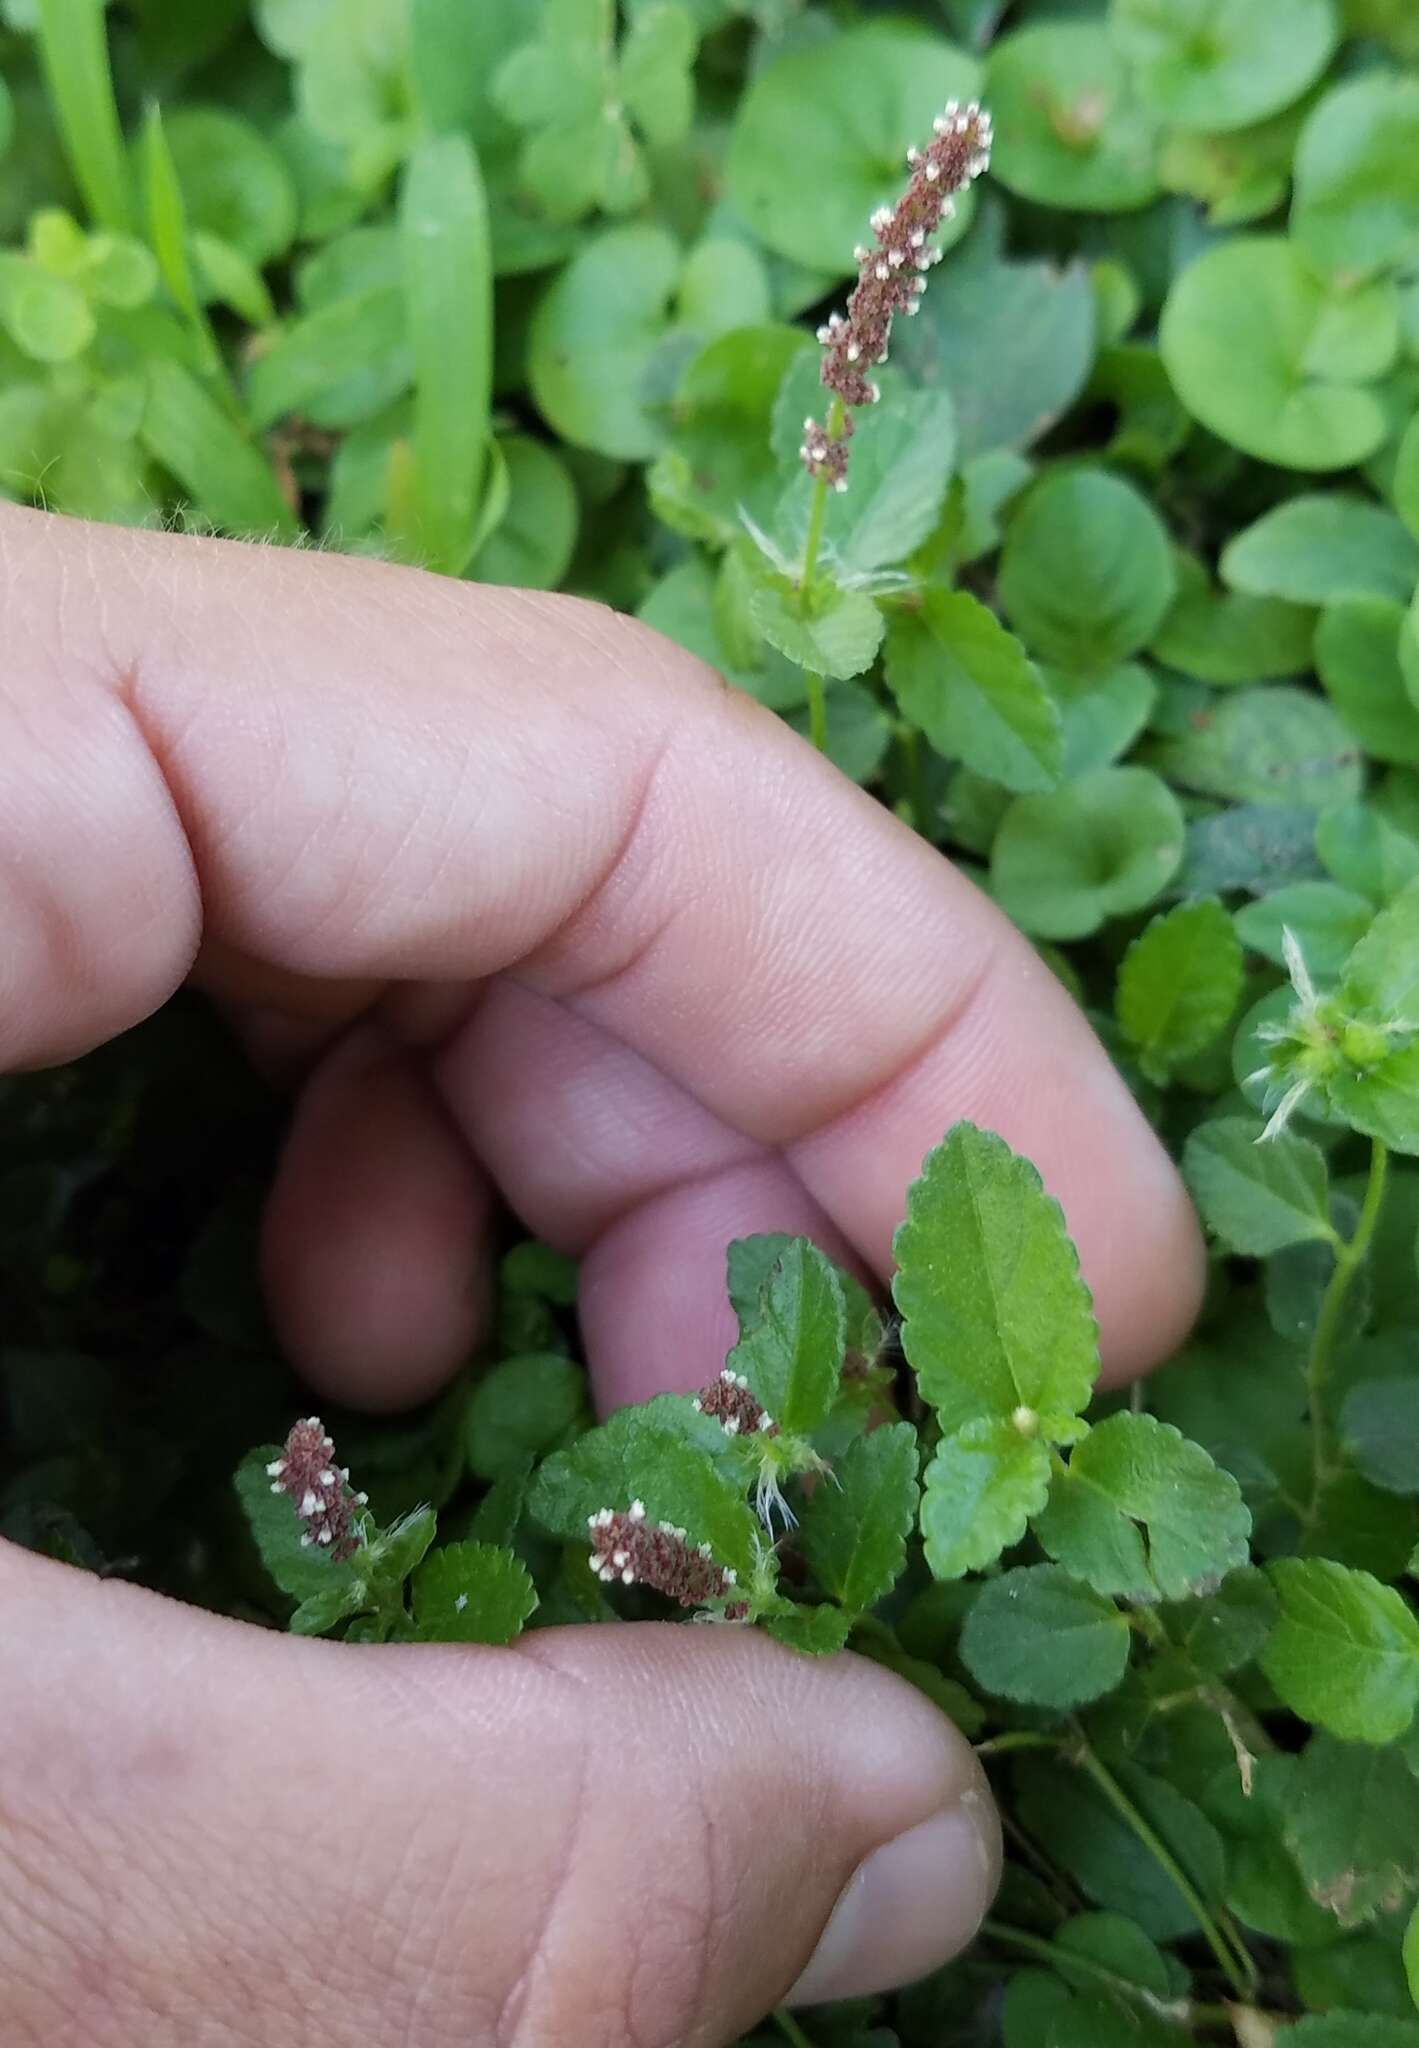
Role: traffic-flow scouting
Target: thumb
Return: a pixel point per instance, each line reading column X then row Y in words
column 606, row 1834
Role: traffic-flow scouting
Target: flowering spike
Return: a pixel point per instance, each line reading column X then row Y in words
column 319, row 1494
column 887, row 282
column 729, row 1401
column 629, row 1548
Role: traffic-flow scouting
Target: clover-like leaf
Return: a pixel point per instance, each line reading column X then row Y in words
column 1087, row 573
column 472, row 1593
column 1039, row 1636
column 1209, row 68
column 1143, row 1513
column 1357, row 659
column 998, row 1326
column 1345, row 1652
column 1104, row 845
column 1070, row 130
column 1228, row 636
column 1320, row 546
column 823, row 130
column 1357, row 175
column 1276, row 361
column 854, row 1527
column 1178, row 985
column 1326, row 922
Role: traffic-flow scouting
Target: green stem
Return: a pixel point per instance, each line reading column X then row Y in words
column 790, row 2029
column 817, row 513
column 1236, row 1965
column 1349, row 1258
column 812, row 547
column 1015, row 1740
column 1067, row 1961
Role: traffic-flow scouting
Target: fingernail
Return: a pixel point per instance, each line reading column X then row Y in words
column 909, row 1907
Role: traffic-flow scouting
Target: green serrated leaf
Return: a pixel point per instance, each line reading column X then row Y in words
column 1039, row 1636
column 303, row 1573
column 1179, row 984
column 1352, row 1824
column 854, row 1528
column 792, row 1350
column 1258, row 1197
column 982, row 1486
column 472, row 1593
column 1228, row 1628
column 665, row 1454
column 974, row 691
column 837, row 634
column 1379, row 1430
column 1345, row 1651
column 998, row 1321
column 814, row 1631
column 522, row 1409
column 1143, row 1513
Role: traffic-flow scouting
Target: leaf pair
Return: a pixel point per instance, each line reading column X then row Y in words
column 1000, row 1330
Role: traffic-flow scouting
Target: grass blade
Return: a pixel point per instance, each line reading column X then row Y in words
column 448, row 276
column 229, row 480
column 73, row 49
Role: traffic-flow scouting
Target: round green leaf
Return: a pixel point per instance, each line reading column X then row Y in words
column 1357, row 659
column 822, row 135
column 1224, row 636
column 1214, row 67
column 1273, row 359
column 532, row 544
column 1037, row 1635
column 1356, row 205
column 593, row 337
column 47, row 317
column 1068, row 129
column 234, row 183
column 1320, row 546
column 1100, row 847
column 1273, row 744
column 1406, row 477
column 1087, row 573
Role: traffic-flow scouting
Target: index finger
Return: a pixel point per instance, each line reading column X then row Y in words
column 350, row 770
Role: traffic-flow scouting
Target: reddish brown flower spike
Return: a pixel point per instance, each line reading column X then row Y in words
column 891, row 278
column 656, row 1554
column 728, row 1402
column 318, row 1490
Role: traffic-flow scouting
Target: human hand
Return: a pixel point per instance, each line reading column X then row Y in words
column 527, row 899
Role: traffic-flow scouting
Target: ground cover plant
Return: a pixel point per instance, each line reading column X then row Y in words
column 1116, row 606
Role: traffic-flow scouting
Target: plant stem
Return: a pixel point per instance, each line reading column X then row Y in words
column 817, row 513
column 1237, row 1966
column 790, row 2029
column 1349, row 1258
column 1065, row 1960
column 812, row 546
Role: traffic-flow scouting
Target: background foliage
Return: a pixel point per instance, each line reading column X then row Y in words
column 1119, row 612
